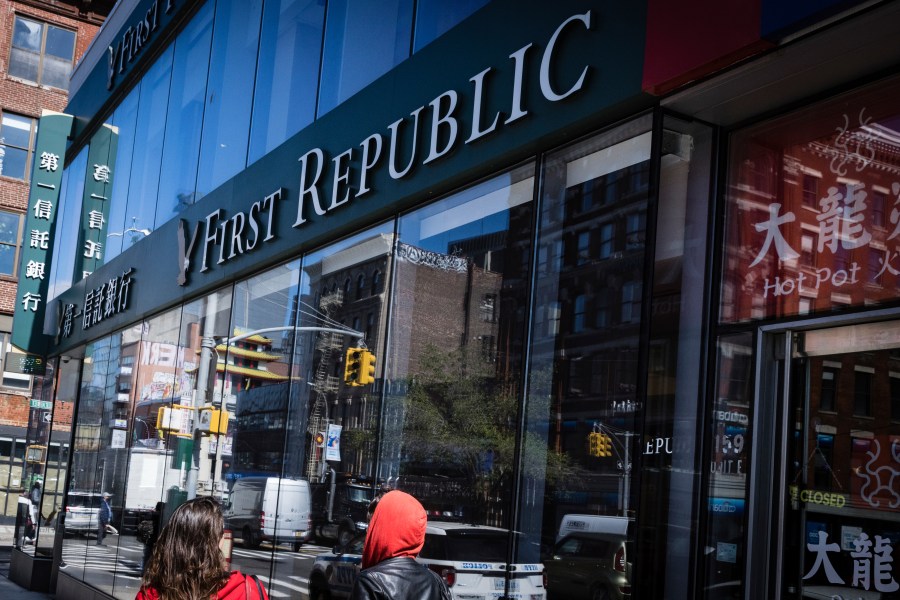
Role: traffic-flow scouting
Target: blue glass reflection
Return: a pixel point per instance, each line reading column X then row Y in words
column 436, row 17
column 67, row 219
column 226, row 124
column 290, row 51
column 124, row 119
column 363, row 40
column 187, row 94
column 150, row 131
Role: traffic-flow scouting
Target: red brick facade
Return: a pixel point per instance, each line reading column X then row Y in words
column 28, row 99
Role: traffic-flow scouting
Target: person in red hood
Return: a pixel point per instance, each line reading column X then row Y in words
column 186, row 563
column 395, row 536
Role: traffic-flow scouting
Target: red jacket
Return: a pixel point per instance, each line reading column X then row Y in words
column 238, row 587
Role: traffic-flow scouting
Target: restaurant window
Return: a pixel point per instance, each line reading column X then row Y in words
column 17, row 136
column 837, row 145
column 41, row 53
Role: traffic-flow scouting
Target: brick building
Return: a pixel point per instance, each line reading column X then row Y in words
column 40, row 42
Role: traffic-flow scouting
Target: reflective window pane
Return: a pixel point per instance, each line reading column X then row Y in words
column 122, row 231
column 56, row 72
column 83, row 498
column 27, row 34
column 729, row 465
column 363, row 40
column 434, row 17
column 187, row 95
column 70, row 197
column 580, row 440
column 671, row 470
column 342, row 419
column 36, row 536
column 16, row 130
column 232, row 66
column 455, row 362
column 265, row 447
column 150, row 358
column 289, row 58
column 60, row 43
column 150, row 131
column 24, row 64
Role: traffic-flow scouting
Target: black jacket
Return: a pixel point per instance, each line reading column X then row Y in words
column 399, row 579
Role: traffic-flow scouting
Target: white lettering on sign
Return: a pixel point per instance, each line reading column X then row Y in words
column 234, row 236
column 349, row 173
column 442, row 114
column 873, row 562
column 842, row 220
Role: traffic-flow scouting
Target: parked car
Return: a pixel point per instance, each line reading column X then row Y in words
column 269, row 509
column 590, row 566
column 618, row 525
column 333, row 573
column 470, row 558
column 82, row 512
column 472, row 561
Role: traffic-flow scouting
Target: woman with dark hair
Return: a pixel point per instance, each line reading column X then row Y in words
column 187, row 564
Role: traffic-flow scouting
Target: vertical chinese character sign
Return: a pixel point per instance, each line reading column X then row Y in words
column 40, row 228
column 95, row 203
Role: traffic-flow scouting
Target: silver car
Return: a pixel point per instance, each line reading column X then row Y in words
column 82, row 512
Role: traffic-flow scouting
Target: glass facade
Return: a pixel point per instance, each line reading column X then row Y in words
column 465, row 303
column 184, row 131
column 600, row 376
column 810, row 231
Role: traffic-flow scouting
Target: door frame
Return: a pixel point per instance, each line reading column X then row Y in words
column 774, row 346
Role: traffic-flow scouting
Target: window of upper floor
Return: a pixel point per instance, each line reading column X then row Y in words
column 17, row 135
column 41, row 53
column 10, row 242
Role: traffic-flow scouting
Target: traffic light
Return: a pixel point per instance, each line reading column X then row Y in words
column 599, row 444
column 353, row 366
column 605, row 445
column 367, row 368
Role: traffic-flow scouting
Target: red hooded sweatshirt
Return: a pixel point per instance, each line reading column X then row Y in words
column 397, row 529
column 238, row 587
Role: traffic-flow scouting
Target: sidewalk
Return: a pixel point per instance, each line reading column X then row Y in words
column 9, row 589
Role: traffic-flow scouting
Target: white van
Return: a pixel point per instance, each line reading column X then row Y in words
column 269, row 509
column 594, row 524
